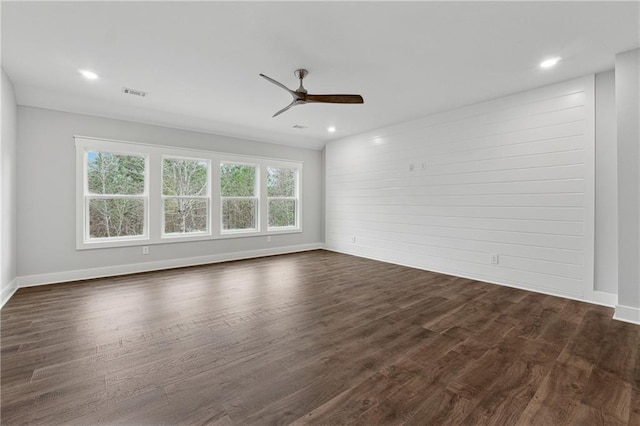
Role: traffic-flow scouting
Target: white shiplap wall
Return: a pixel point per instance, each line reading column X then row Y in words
column 513, row 177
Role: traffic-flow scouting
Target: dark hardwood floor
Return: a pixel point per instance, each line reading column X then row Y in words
column 312, row 338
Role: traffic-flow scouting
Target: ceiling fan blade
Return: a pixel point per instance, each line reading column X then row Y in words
column 335, row 99
column 277, row 83
column 294, row 103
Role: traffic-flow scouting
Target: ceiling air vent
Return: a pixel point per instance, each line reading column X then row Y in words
column 134, row 92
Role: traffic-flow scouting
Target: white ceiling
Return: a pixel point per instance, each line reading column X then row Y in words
column 200, row 61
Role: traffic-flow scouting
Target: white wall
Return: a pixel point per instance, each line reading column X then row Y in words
column 8, row 148
column 513, row 177
column 46, row 176
column 606, row 201
column 628, row 131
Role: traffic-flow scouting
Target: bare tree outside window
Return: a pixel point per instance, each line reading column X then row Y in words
column 131, row 194
column 238, row 196
column 282, row 194
column 116, row 186
column 185, row 193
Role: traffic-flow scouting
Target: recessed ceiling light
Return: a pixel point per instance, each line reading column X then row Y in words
column 89, row 75
column 331, row 129
column 548, row 63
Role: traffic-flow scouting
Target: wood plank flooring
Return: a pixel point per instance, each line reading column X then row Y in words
column 312, row 338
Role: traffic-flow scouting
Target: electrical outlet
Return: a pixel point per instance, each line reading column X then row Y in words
column 268, row 238
column 145, row 249
column 494, row 259
column 353, row 239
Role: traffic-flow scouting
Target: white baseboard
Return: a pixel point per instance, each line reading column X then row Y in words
column 622, row 313
column 596, row 297
column 602, row 298
column 108, row 271
column 463, row 275
column 8, row 292
column 627, row 314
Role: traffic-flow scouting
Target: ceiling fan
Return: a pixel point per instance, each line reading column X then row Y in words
column 300, row 95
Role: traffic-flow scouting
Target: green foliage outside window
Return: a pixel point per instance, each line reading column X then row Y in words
column 281, row 182
column 238, row 188
column 281, row 190
column 115, row 174
column 116, row 195
column 282, row 213
column 237, row 180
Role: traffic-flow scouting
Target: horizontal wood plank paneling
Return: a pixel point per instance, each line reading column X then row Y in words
column 517, row 225
column 512, row 177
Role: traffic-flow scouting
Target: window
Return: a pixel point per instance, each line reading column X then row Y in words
column 185, row 195
column 115, row 196
column 130, row 194
column 282, row 193
column 238, row 197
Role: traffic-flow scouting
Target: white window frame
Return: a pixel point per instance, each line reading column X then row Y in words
column 295, row 198
column 83, row 183
column 282, row 164
column 256, row 197
column 206, row 197
column 154, row 205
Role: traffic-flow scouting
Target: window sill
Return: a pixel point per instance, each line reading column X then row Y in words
column 283, row 230
column 184, row 239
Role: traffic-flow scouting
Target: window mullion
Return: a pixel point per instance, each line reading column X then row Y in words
column 239, row 198
column 283, row 198
column 263, row 202
column 115, row 196
column 215, row 209
column 97, row 213
column 156, row 208
column 194, row 197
